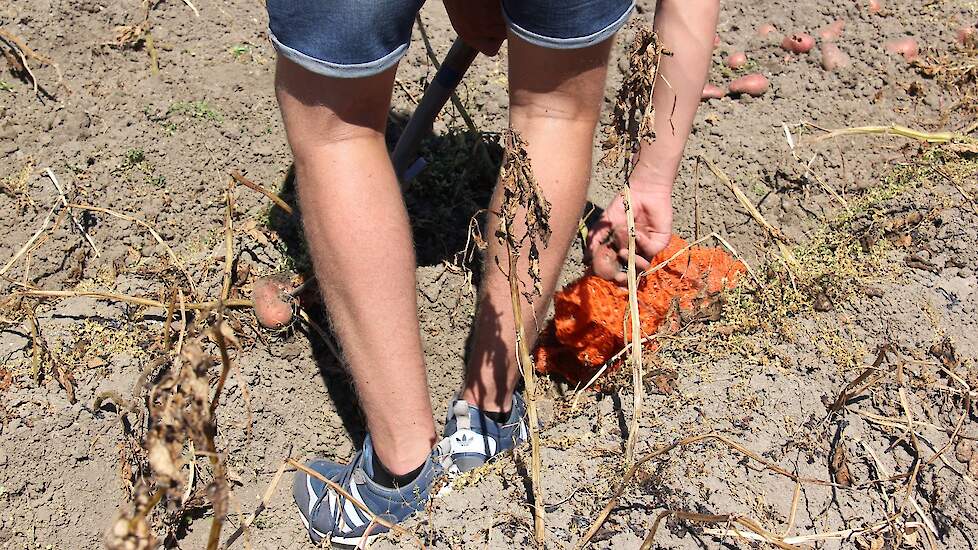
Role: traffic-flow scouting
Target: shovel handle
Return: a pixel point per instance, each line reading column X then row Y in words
column 452, row 69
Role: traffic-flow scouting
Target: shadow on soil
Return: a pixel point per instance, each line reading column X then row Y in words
column 442, row 200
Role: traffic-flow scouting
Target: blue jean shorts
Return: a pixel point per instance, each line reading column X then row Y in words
column 358, row 38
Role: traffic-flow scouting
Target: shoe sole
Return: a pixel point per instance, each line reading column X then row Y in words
column 342, row 543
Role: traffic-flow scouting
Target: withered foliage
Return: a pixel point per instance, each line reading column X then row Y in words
column 633, row 117
column 522, row 193
column 179, row 410
column 132, row 531
column 956, row 70
column 180, row 416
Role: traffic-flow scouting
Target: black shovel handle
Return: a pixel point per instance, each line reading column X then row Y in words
column 447, row 78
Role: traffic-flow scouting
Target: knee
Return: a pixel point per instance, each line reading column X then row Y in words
column 528, row 107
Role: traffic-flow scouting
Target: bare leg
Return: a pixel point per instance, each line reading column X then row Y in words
column 361, row 247
column 555, row 103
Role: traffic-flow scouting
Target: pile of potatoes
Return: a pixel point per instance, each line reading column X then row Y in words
column 801, row 43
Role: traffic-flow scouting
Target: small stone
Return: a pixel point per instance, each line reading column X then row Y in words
column 964, row 451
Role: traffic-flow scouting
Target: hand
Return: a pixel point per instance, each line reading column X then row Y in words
column 607, row 241
column 479, row 23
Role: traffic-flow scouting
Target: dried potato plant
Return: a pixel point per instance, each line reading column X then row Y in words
column 633, row 118
column 522, row 197
column 180, row 415
column 632, row 123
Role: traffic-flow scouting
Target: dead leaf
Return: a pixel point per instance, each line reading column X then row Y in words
column 839, row 466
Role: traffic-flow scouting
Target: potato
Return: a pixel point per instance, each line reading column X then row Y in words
column 273, row 303
column 754, row 84
column 907, row 47
column 833, row 31
column 712, row 92
column 736, row 60
column 967, row 36
column 832, row 57
column 875, row 6
column 766, row 29
column 798, row 43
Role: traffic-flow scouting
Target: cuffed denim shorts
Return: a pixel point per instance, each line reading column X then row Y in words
column 358, row 38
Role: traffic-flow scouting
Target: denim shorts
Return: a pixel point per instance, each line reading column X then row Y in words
column 358, row 38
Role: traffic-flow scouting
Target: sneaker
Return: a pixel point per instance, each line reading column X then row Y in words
column 471, row 439
column 330, row 516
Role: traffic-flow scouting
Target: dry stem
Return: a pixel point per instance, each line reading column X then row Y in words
column 522, row 196
column 199, row 306
column 169, row 251
column 638, row 389
column 779, row 237
column 256, row 187
column 606, row 511
column 30, row 242
column 64, row 201
column 731, row 519
column 228, row 242
column 895, row 130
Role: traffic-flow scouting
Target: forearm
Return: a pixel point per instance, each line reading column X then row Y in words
column 686, row 28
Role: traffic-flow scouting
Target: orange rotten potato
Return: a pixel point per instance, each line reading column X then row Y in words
column 273, row 302
column 753, row 84
column 798, row 43
column 587, row 328
column 736, row 60
column 907, row 47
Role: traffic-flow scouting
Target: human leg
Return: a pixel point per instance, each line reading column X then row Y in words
column 360, row 243
column 555, row 101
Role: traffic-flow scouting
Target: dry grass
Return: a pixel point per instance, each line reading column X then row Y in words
column 524, row 205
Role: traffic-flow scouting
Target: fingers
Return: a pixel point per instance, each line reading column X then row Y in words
column 641, row 263
column 652, row 243
column 605, row 264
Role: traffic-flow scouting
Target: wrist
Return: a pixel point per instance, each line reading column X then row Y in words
column 651, row 186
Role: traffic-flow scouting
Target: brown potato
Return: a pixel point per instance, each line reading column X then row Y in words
column 963, row 451
column 273, row 303
column 798, row 43
column 754, row 84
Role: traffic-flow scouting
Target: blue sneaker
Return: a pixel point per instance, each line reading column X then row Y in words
column 330, row 516
column 471, row 439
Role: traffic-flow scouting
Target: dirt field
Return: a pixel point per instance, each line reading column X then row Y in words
column 877, row 275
